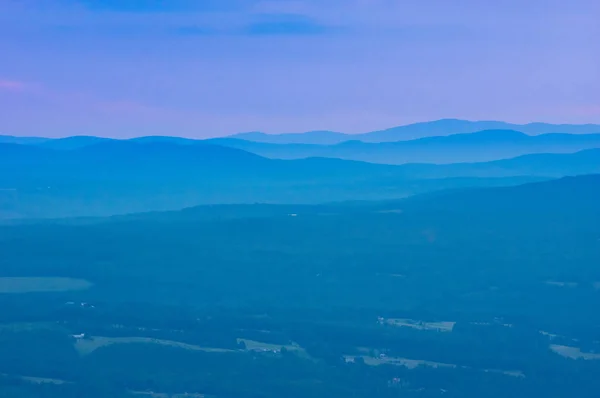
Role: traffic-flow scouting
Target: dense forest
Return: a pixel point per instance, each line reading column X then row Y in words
column 481, row 292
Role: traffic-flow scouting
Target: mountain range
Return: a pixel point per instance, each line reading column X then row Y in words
column 417, row 130
column 116, row 177
column 413, row 131
column 480, row 146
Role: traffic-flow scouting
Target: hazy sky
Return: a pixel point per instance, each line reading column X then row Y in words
column 211, row 67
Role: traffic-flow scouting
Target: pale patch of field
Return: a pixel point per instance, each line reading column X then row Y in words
column 548, row 334
column 258, row 346
column 396, row 211
column 392, row 275
column 506, row 325
column 420, row 325
column 41, row 284
column 415, row 363
column 407, row 363
column 364, row 350
column 512, row 373
column 561, row 284
column 43, row 380
column 573, row 352
column 596, row 285
column 88, row 345
column 38, row 380
column 153, row 394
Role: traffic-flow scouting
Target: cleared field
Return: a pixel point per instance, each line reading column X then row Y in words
column 392, row 275
column 38, row 380
column 153, row 394
column 513, row 373
column 415, row 363
column 252, row 345
column 562, row 284
column 420, row 325
column 407, row 363
column 41, row 284
column 88, row 345
column 42, row 380
column 397, row 211
column 573, row 352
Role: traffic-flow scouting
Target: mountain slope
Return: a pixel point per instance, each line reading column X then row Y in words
column 116, row 177
column 74, row 142
column 566, row 194
column 456, row 126
column 543, row 164
column 480, row 146
column 11, row 139
column 310, row 137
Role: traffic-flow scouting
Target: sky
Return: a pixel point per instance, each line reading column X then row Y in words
column 204, row 68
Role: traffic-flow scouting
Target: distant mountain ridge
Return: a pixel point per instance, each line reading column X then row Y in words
column 11, row 139
column 322, row 137
column 417, row 130
column 118, row 177
column 412, row 131
column 480, row 146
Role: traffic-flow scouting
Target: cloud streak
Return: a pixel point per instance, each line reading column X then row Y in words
column 13, row 85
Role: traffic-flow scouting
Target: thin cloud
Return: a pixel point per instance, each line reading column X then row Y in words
column 13, row 85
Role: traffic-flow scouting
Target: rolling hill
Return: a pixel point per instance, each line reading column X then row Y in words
column 480, row 146
column 116, row 177
column 566, row 194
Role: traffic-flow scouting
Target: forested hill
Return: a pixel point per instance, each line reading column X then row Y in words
column 118, row 177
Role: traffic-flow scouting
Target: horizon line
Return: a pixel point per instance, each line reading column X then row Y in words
column 234, row 135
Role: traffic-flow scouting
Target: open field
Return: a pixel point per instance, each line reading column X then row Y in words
column 38, row 380
column 153, row 394
column 41, row 284
column 562, row 284
column 415, row 363
column 252, row 345
column 408, row 363
column 43, row 380
column 573, row 352
column 513, row 373
column 420, row 325
column 88, row 345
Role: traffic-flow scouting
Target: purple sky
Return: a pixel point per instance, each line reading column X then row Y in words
column 204, row 68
